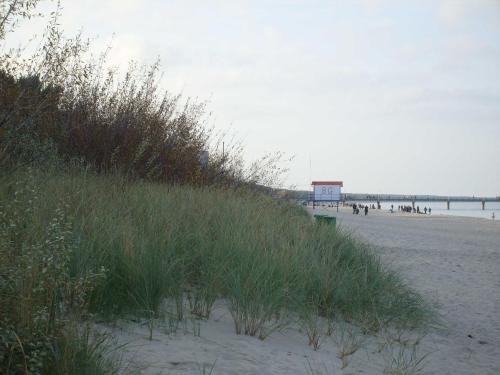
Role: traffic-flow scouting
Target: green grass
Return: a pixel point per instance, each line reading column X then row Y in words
column 83, row 351
column 265, row 257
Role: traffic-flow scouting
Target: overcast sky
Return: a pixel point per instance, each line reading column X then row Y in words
column 388, row 96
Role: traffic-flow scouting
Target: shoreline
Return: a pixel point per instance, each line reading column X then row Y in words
column 384, row 212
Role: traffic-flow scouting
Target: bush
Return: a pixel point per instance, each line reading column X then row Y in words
column 89, row 113
column 37, row 291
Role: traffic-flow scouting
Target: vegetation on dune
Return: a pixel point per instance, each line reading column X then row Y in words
column 85, row 109
column 75, row 243
column 40, row 296
column 157, row 242
column 105, row 209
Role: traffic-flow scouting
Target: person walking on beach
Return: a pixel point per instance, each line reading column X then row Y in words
column 429, row 210
column 366, row 211
column 425, row 210
column 354, row 208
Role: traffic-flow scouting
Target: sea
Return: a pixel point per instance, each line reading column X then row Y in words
column 468, row 209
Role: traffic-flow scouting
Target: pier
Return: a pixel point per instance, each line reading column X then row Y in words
column 417, row 198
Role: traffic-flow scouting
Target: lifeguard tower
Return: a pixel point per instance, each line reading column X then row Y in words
column 326, row 192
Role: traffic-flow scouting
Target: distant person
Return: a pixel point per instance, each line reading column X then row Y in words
column 425, row 210
column 493, row 216
column 392, row 207
column 429, row 210
column 366, row 211
column 418, row 209
column 354, row 208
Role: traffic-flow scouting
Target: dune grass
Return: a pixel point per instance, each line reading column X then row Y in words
column 74, row 243
column 264, row 257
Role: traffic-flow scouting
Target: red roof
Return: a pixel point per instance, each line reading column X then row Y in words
column 339, row 183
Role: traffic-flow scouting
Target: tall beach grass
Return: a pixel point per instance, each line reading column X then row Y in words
column 264, row 257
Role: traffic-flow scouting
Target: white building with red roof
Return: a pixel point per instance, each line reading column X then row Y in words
column 327, row 191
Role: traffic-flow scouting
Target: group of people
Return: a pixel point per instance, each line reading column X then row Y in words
column 357, row 207
column 411, row 209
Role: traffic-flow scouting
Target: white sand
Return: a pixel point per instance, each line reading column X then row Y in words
column 183, row 353
column 454, row 261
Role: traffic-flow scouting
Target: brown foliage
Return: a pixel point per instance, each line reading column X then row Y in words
column 87, row 112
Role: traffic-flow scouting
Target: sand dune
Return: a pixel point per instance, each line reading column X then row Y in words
column 453, row 261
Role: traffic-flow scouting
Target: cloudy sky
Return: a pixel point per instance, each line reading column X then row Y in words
column 388, row 96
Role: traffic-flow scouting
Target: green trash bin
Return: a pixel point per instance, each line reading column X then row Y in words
column 329, row 220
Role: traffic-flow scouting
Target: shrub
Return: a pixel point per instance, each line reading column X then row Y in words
column 38, row 292
column 126, row 124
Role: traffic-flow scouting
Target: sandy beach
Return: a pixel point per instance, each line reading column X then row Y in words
column 452, row 261
column 455, row 261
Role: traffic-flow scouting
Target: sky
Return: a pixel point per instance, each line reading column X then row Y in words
column 387, row 96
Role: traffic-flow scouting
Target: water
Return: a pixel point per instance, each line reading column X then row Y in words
column 468, row 209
